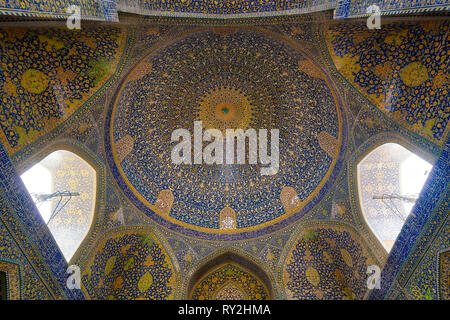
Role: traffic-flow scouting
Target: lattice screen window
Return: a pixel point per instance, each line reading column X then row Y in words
column 390, row 179
column 63, row 186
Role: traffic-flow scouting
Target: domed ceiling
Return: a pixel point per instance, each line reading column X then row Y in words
column 225, row 78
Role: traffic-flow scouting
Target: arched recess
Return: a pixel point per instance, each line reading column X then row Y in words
column 326, row 260
column 130, row 263
column 236, row 277
column 359, row 154
column 63, row 180
column 389, row 179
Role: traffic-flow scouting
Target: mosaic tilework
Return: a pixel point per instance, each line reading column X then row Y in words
column 401, row 69
column 11, row 280
column 340, row 208
column 90, row 10
column 431, row 277
column 105, row 204
column 275, row 18
column 369, row 124
column 379, row 173
column 37, row 246
column 272, row 82
column 72, row 223
column 24, row 282
column 229, row 282
column 444, row 274
column 107, row 10
column 265, row 249
column 352, row 202
column 420, row 274
column 192, row 253
column 47, row 74
column 223, row 9
column 298, row 31
column 327, row 262
column 413, row 243
column 264, row 252
column 358, row 8
column 130, row 266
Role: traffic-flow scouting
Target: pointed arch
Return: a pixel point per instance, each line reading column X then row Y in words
column 63, row 180
column 231, row 261
column 419, row 147
column 325, row 260
column 132, row 263
column 389, row 179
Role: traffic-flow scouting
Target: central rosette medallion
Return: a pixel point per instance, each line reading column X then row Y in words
column 225, row 108
column 241, row 79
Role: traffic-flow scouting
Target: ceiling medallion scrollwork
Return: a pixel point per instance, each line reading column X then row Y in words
column 241, row 79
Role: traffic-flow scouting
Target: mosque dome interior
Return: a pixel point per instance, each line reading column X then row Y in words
column 117, row 159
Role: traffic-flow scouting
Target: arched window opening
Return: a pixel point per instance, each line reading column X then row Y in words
column 63, row 187
column 390, row 179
